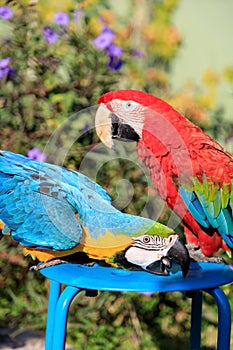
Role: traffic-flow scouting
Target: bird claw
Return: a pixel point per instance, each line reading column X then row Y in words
column 196, row 254
column 40, row 266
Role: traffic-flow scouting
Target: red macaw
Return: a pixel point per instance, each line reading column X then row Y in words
column 190, row 170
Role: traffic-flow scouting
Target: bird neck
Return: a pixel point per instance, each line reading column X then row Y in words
column 164, row 151
column 165, row 130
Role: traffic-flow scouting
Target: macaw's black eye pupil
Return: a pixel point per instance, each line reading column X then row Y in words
column 146, row 239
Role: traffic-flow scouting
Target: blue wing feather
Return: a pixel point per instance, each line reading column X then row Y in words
column 55, row 172
column 38, row 202
column 194, row 206
column 37, row 219
column 210, row 213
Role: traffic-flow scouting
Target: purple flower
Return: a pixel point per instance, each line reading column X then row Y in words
column 50, row 35
column 114, row 50
column 4, row 62
column 78, row 16
column 5, row 70
column 138, row 53
column 115, row 63
column 105, row 39
column 11, row 73
column 6, row 12
column 36, row 154
column 85, row 129
column 62, row 19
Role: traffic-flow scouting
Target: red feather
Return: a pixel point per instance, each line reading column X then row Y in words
column 182, row 148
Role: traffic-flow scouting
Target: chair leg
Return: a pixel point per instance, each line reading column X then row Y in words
column 55, row 290
column 60, row 320
column 224, row 318
column 196, row 316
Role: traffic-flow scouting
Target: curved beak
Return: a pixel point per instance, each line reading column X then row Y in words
column 179, row 253
column 103, row 125
column 109, row 126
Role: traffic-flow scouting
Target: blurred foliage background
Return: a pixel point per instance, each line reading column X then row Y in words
column 57, row 58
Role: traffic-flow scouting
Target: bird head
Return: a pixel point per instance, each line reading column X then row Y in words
column 155, row 254
column 121, row 115
column 159, row 130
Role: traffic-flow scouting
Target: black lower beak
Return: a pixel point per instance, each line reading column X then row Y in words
column 179, row 253
column 122, row 131
column 159, row 267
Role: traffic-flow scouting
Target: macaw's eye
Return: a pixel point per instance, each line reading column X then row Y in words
column 146, row 239
column 129, row 105
column 171, row 239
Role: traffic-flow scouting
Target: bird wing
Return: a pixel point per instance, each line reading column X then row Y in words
column 36, row 209
column 58, row 173
column 49, row 207
column 211, row 204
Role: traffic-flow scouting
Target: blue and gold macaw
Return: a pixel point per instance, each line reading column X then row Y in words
column 55, row 213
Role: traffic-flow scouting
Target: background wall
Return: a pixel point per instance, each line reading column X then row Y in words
column 206, row 27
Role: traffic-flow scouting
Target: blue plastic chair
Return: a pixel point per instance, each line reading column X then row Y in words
column 202, row 277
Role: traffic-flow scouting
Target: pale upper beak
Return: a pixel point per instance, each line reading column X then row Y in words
column 103, row 125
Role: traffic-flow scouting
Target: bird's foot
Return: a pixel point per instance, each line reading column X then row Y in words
column 47, row 264
column 196, row 254
column 90, row 264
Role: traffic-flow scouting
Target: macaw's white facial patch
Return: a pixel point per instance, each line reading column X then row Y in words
column 129, row 112
column 148, row 249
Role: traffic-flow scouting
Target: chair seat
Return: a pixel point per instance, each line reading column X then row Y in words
column 205, row 277
column 200, row 276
